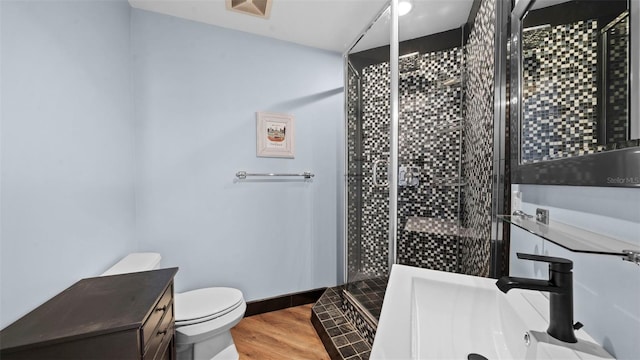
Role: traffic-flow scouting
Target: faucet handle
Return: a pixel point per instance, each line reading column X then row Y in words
column 555, row 263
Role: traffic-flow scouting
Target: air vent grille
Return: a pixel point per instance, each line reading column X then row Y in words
column 259, row 8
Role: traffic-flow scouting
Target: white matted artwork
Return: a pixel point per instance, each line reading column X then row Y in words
column 275, row 135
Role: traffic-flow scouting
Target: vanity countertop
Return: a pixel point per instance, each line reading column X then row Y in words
column 88, row 308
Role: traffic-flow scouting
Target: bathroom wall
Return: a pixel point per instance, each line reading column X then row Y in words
column 477, row 148
column 197, row 88
column 606, row 289
column 67, row 204
column 92, row 170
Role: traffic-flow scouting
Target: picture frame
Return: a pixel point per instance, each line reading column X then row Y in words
column 275, row 135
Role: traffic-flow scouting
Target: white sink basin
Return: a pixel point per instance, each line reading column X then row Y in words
column 430, row 314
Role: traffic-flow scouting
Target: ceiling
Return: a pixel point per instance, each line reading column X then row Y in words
column 427, row 17
column 325, row 24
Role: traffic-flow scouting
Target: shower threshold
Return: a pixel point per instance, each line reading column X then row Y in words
column 368, row 295
column 346, row 317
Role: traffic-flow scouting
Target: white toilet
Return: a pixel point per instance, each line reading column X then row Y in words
column 204, row 317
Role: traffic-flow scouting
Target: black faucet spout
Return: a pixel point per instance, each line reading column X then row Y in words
column 560, row 288
column 507, row 283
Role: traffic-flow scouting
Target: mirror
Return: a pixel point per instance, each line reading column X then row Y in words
column 573, row 93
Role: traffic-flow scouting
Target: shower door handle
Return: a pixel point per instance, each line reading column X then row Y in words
column 376, row 181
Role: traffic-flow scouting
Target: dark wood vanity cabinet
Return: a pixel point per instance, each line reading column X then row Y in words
column 128, row 316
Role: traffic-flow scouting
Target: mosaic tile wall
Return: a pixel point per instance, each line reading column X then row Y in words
column 429, row 141
column 560, row 107
column 356, row 317
column 375, row 146
column 617, row 82
column 477, row 162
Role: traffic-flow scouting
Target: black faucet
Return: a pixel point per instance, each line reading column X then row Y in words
column 560, row 288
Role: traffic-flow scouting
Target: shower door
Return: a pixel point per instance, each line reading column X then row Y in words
column 417, row 140
column 367, row 178
column 423, row 136
column 368, row 117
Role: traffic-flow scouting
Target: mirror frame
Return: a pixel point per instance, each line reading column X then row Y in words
column 614, row 168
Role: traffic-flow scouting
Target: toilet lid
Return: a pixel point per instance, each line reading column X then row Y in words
column 207, row 302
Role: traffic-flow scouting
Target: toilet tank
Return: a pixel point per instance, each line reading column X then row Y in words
column 135, row 262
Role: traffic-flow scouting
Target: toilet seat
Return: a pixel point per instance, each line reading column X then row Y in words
column 202, row 305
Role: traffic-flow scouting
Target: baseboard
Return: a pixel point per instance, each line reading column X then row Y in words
column 283, row 301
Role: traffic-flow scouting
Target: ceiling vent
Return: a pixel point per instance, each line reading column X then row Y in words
column 259, row 8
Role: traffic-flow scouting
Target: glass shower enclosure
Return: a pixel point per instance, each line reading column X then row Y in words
column 368, row 118
column 404, row 140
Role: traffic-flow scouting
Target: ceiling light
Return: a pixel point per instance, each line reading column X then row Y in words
column 404, row 7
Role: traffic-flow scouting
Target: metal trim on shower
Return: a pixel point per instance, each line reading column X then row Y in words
column 394, row 64
column 385, row 9
column 501, row 185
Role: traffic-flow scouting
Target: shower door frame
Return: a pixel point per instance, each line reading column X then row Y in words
column 392, row 6
column 500, row 204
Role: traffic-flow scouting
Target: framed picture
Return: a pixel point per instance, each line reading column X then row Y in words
column 275, row 135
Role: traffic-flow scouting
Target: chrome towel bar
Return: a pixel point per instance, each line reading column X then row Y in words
column 243, row 174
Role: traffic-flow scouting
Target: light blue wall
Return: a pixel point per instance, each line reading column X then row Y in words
column 606, row 289
column 122, row 131
column 197, row 88
column 66, row 146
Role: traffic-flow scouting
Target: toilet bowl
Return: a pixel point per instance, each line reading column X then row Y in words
column 203, row 317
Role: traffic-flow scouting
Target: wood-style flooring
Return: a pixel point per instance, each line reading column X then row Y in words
column 279, row 335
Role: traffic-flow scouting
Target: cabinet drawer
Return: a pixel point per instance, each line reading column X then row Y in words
column 150, row 327
column 162, row 336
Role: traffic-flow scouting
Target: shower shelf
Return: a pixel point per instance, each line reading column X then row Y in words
column 446, row 129
column 451, row 82
column 576, row 239
column 447, row 182
column 433, row 226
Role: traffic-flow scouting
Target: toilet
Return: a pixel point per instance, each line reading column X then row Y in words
column 204, row 317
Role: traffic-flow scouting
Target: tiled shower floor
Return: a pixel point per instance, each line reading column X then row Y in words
column 370, row 294
column 346, row 331
column 339, row 336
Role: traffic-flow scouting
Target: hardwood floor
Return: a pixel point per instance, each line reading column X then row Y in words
column 279, row 335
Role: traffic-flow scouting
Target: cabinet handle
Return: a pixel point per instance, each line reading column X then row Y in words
column 162, row 308
column 166, row 330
